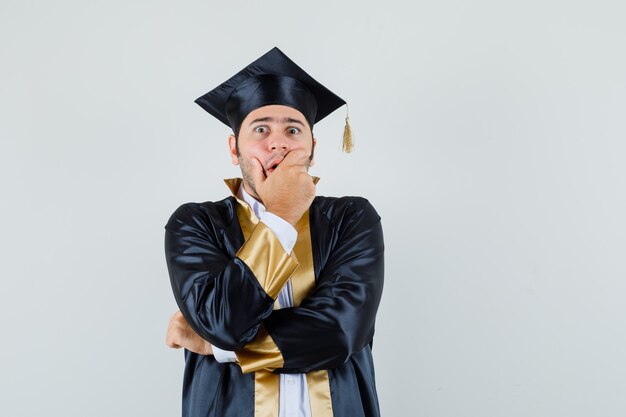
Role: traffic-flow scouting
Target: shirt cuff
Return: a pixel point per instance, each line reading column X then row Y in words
column 223, row 356
column 284, row 231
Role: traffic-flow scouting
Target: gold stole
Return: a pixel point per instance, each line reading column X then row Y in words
column 267, row 383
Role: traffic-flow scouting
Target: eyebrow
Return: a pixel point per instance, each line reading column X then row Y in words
column 274, row 120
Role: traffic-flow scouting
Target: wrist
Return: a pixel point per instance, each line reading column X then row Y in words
column 207, row 348
column 288, row 217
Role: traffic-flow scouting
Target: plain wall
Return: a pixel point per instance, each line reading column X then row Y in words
column 489, row 136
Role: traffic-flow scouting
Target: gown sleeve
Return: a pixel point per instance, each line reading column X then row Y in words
column 335, row 321
column 223, row 298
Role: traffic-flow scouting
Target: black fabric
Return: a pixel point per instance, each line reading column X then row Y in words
column 332, row 329
column 337, row 320
column 266, row 89
column 353, row 386
column 213, row 389
column 271, row 79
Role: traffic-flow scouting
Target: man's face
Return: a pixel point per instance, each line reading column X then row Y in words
column 267, row 134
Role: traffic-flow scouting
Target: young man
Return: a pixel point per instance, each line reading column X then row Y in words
column 277, row 288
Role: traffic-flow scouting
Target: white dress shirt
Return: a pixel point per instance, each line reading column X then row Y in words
column 293, row 391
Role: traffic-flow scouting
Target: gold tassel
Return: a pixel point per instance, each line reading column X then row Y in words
column 347, row 145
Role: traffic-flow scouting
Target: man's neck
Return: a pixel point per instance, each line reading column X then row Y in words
column 248, row 198
column 250, row 192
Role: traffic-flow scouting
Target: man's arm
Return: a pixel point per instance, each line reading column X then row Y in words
column 180, row 334
column 335, row 321
column 223, row 299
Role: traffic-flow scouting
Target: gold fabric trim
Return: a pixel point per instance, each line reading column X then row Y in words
column 266, row 394
column 233, row 185
column 261, row 356
column 303, row 280
column 261, row 353
column 303, row 284
column 319, row 393
column 266, row 257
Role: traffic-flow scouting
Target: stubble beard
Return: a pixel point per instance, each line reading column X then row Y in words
column 246, row 173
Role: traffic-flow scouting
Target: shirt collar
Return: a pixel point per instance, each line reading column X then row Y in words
column 256, row 205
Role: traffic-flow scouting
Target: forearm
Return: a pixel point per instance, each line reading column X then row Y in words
column 223, row 299
column 312, row 336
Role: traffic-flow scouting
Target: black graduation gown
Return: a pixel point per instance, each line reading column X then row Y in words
column 331, row 329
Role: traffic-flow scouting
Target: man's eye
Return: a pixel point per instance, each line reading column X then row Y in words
column 293, row 130
column 261, row 129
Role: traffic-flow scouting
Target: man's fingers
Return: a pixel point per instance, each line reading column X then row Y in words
column 174, row 328
column 172, row 344
column 170, row 339
column 258, row 173
column 297, row 157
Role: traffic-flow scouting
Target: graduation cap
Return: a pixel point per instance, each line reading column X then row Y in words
column 272, row 79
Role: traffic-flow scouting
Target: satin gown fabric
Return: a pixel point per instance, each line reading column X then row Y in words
column 332, row 329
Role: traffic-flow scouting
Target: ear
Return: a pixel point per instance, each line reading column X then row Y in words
column 232, row 147
column 313, row 153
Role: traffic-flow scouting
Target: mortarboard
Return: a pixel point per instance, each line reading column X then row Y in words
column 272, row 79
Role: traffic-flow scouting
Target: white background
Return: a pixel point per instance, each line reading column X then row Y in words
column 489, row 137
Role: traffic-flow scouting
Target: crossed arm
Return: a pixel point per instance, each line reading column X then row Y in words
column 228, row 302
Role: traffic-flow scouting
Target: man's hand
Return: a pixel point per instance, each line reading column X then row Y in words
column 289, row 190
column 180, row 334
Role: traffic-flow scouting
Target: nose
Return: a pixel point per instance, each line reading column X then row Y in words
column 278, row 141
